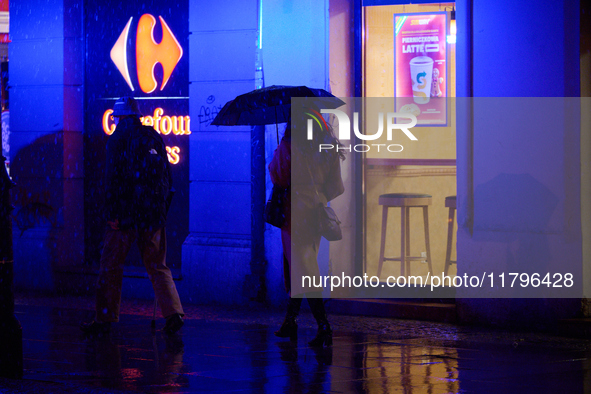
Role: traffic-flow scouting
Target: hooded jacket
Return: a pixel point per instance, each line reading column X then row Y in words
column 122, row 201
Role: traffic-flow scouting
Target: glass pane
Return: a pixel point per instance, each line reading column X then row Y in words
column 394, row 37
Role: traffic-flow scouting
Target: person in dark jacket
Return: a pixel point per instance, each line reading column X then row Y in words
column 134, row 211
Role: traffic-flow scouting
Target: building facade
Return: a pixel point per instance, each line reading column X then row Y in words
column 64, row 74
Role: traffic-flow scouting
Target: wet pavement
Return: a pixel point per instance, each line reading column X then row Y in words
column 222, row 349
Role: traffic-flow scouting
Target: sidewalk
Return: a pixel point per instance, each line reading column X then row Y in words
column 222, row 349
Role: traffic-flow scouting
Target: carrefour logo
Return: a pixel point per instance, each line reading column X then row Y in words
column 147, row 53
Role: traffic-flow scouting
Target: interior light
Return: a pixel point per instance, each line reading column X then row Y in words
column 451, row 38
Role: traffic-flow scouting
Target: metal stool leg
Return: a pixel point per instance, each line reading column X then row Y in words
column 407, row 249
column 450, row 229
column 427, row 243
column 383, row 238
column 403, row 236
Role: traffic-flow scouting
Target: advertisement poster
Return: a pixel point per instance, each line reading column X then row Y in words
column 420, row 66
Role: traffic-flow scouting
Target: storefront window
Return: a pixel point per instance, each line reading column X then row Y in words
column 399, row 43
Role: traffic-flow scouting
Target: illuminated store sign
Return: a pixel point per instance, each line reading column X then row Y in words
column 163, row 124
column 147, row 53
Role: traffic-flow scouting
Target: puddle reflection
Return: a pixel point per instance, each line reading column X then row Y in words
column 219, row 356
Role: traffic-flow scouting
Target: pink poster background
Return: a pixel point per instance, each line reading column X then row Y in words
column 420, row 36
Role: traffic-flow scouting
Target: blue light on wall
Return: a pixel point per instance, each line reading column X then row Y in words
column 261, row 24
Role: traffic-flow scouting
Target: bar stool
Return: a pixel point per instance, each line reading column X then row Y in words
column 450, row 202
column 404, row 201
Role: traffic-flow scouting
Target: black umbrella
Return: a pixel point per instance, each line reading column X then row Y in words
column 269, row 105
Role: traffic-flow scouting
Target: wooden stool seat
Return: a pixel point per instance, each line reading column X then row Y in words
column 450, row 202
column 404, row 201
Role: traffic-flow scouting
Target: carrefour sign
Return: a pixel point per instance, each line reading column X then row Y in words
column 141, row 51
column 148, row 53
column 163, row 124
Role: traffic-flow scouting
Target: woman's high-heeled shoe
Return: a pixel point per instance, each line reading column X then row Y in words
column 289, row 329
column 323, row 336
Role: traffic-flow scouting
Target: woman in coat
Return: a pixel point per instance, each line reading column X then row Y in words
column 314, row 178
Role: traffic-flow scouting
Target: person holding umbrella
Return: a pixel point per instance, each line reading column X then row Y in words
column 316, row 178
column 320, row 175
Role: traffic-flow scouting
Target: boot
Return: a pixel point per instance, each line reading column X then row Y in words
column 174, row 323
column 289, row 328
column 324, row 333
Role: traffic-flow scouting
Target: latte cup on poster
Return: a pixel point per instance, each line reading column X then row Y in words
column 421, row 72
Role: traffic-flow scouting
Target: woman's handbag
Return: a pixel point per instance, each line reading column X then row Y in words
column 275, row 208
column 329, row 224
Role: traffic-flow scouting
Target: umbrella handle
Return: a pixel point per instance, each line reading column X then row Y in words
column 276, row 127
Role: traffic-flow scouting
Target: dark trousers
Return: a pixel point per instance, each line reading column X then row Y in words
column 316, row 306
column 314, row 300
column 152, row 245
